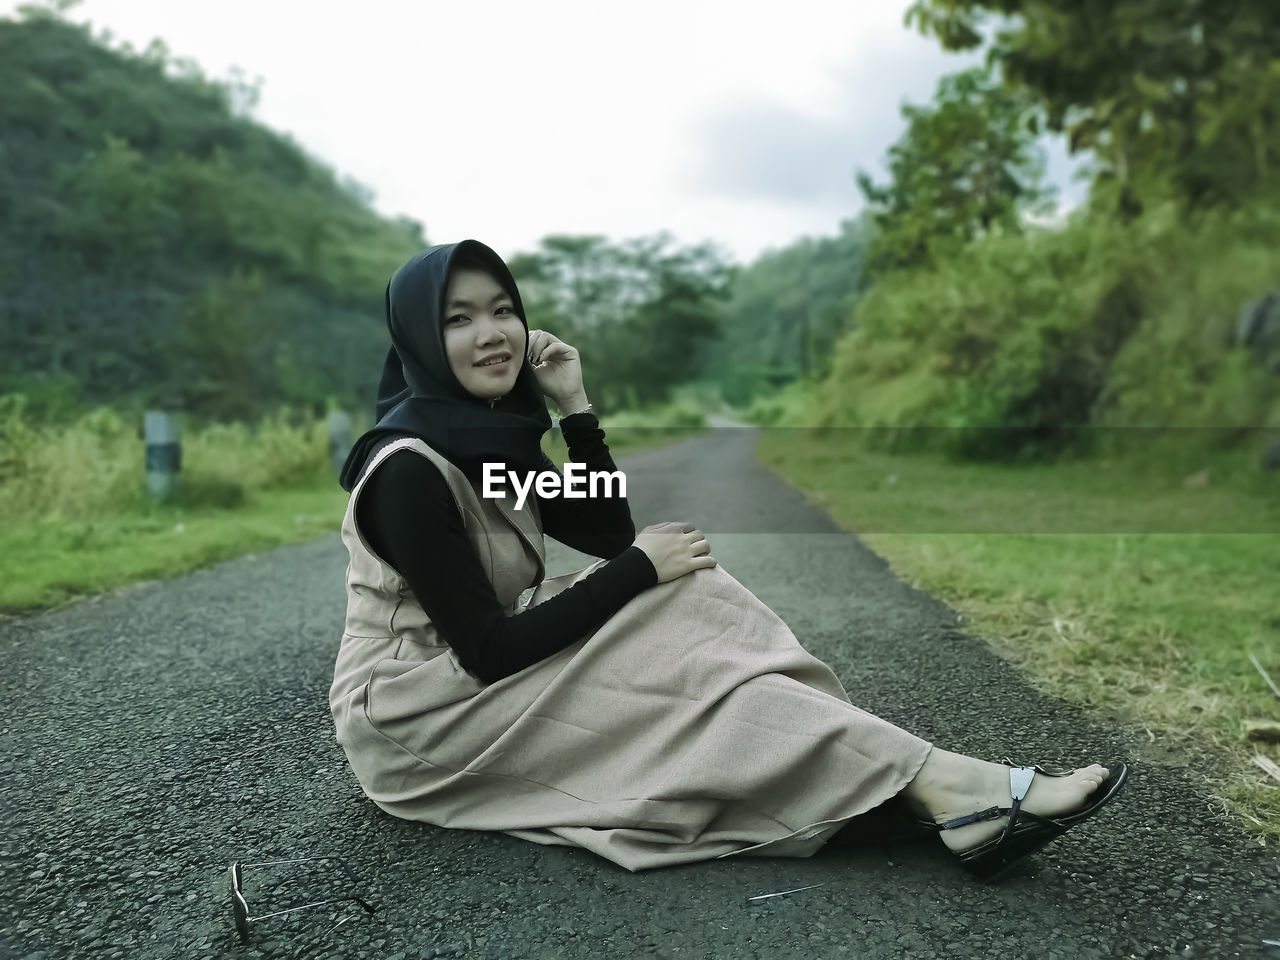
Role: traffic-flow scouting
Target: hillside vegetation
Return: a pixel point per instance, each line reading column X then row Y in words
column 1026, row 342
column 159, row 247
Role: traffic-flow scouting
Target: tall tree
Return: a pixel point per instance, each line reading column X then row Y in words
column 966, row 166
column 1178, row 92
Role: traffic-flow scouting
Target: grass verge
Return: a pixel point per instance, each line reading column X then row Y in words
column 1155, row 628
column 49, row 562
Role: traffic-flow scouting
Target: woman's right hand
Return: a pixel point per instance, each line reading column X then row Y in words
column 675, row 548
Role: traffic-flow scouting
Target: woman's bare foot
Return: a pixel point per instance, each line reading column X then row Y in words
column 950, row 785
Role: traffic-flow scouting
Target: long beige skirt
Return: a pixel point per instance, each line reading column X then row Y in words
column 691, row 725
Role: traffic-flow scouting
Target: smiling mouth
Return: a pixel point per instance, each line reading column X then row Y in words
column 494, row 363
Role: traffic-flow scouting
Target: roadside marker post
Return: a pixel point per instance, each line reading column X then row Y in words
column 164, row 454
column 339, row 439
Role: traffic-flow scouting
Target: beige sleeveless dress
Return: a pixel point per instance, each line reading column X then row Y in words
column 691, row 725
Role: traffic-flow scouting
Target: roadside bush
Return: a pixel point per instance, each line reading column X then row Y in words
column 1184, row 369
column 273, row 453
column 785, row 407
column 95, row 465
column 1019, row 347
column 91, row 466
column 670, row 416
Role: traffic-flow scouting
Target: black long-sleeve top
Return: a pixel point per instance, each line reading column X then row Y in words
column 408, row 515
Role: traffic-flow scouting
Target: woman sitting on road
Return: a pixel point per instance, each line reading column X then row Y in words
column 649, row 707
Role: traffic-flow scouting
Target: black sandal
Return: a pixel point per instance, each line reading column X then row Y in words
column 1026, row 831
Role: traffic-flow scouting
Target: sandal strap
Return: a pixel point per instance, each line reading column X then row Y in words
column 991, row 813
column 1019, row 783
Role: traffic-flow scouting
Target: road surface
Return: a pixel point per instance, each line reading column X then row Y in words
column 155, row 735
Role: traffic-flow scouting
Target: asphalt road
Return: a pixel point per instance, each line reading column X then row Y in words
column 153, row 736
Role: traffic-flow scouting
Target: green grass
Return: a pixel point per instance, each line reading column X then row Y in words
column 49, row 562
column 1153, row 627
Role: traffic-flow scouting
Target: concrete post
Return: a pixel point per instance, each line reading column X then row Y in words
column 164, row 454
column 340, row 439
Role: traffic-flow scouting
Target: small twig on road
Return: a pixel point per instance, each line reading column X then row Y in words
column 1270, row 683
column 783, row 893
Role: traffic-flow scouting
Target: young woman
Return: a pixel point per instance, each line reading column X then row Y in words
column 649, row 707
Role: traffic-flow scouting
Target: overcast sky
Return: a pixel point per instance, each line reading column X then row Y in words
column 508, row 121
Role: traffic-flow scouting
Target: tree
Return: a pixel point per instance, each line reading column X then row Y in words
column 966, row 167
column 222, row 351
column 786, row 310
column 1183, row 93
column 642, row 315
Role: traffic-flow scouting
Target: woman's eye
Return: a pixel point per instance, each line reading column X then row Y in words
column 456, row 316
column 508, row 309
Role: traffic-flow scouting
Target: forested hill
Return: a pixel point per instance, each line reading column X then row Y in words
column 157, row 246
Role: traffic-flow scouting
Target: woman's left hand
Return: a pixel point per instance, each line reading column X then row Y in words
column 556, row 365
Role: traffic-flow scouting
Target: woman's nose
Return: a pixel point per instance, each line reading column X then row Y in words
column 488, row 332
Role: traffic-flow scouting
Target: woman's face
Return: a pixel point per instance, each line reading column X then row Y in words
column 480, row 326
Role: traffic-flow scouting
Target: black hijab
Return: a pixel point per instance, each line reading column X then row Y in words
column 419, row 396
